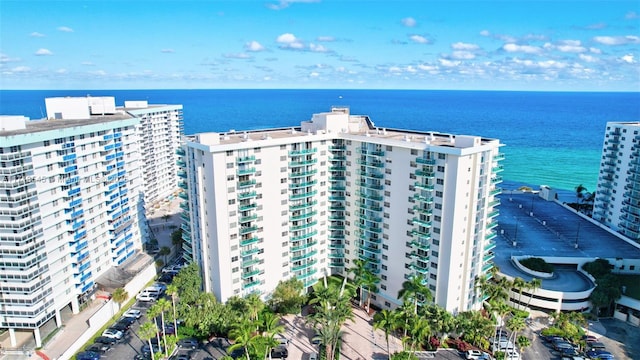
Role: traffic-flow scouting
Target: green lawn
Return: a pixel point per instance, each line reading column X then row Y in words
column 632, row 282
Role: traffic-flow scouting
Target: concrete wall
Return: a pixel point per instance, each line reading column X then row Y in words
column 110, row 308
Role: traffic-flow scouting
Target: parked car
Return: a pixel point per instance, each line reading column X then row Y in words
column 147, row 296
column 569, row 352
column 166, row 278
column 169, row 329
column 88, row 355
column 280, row 352
column 113, row 333
column 106, row 340
column 560, row 345
column 512, row 355
column 599, row 354
column 551, row 338
column 180, row 357
column 99, row 348
column 132, row 313
column 472, row 354
column 589, row 338
column 188, row 343
column 127, row 320
column 156, row 349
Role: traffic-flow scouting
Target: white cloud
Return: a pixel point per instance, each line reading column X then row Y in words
column 632, row 15
column 426, row 67
column 290, row 41
column 4, row 58
column 448, row 63
column 98, row 73
column 326, row 38
column 527, row 49
column 464, row 46
column 167, row 51
column 314, row 74
column 21, row 69
column 65, row 29
column 617, row 40
column 61, row 71
column 283, row 4
column 485, row 33
column 409, row 22
column 43, row 52
column 419, row 39
column 595, row 50
column 318, row 48
column 463, row 55
column 87, row 63
column 242, row 56
column 254, row 46
column 571, row 46
column 629, row 59
column 36, row 34
column 588, row 58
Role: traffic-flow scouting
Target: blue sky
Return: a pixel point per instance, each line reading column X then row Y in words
column 487, row 45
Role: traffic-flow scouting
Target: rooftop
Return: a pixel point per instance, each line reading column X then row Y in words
column 46, row 124
column 552, row 231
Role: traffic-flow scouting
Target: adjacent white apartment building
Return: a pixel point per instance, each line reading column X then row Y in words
column 70, row 206
column 617, row 202
column 160, row 130
column 305, row 202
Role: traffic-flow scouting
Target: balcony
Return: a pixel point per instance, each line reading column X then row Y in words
column 370, row 152
column 302, row 184
column 421, row 186
column 338, row 147
column 371, row 250
column 295, row 174
column 423, row 209
column 302, row 152
column 425, row 173
column 250, row 284
column 304, row 256
column 302, row 195
column 248, row 274
column 369, row 259
column 182, row 174
column 498, row 157
column 245, row 171
column 249, row 241
column 422, row 269
column 303, row 246
column 488, row 257
column 247, row 207
column 303, row 216
column 302, row 206
column 371, row 185
column 370, row 163
column 247, row 195
column 250, row 251
column 493, row 214
column 245, row 184
column 496, row 179
column 304, row 266
column 337, row 168
column 422, row 245
column 423, row 198
column 371, row 174
column 424, row 161
column 303, row 226
column 306, row 274
column 422, row 222
column 247, row 229
column 245, row 159
column 303, row 236
column 302, row 162
column 495, row 192
column 250, row 261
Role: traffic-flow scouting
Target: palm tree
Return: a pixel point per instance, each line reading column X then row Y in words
column 523, row 342
column 534, row 284
column 270, row 326
column 515, row 324
column 386, row 321
column 243, row 335
column 119, row 295
column 416, row 290
column 519, row 284
column 164, row 251
column 173, row 291
column 163, row 305
column 580, row 189
column 166, row 217
column 152, row 313
column 146, row 332
column 419, row 330
column 332, row 311
column 254, row 305
column 370, row 281
column 359, row 270
column 440, row 319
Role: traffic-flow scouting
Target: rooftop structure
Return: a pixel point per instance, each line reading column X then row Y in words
column 305, row 202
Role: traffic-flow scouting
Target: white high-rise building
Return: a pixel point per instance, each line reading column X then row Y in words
column 160, row 130
column 617, row 201
column 70, row 206
column 305, row 202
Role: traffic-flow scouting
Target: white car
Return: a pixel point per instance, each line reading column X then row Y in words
column 132, row 313
column 512, row 355
column 147, row 296
column 113, row 333
column 472, row 354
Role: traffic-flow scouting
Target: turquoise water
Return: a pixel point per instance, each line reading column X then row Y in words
column 551, row 138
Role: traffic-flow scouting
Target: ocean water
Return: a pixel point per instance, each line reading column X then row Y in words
column 552, row 138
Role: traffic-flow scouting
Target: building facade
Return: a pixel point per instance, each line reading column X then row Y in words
column 305, row 202
column 70, row 207
column 617, row 200
column 160, row 130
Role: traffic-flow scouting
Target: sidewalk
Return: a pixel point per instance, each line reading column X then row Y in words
column 70, row 332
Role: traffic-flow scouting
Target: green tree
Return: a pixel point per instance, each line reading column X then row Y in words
column 244, row 337
column 164, row 252
column 254, row 305
column 159, row 308
column 147, row 331
column 519, row 284
column 172, row 290
column 420, row 330
column 189, row 284
column 580, row 189
column 333, row 310
column 119, row 296
column 474, row 327
column 515, row 324
column 534, row 284
column 370, row 282
column 176, row 239
column 416, row 290
column 442, row 322
column 152, row 313
column 288, row 297
column 269, row 325
column 386, row 321
column 359, row 269
column 523, row 342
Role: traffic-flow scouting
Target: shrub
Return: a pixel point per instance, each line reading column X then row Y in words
column 459, row 344
column 537, row 264
column 434, row 343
